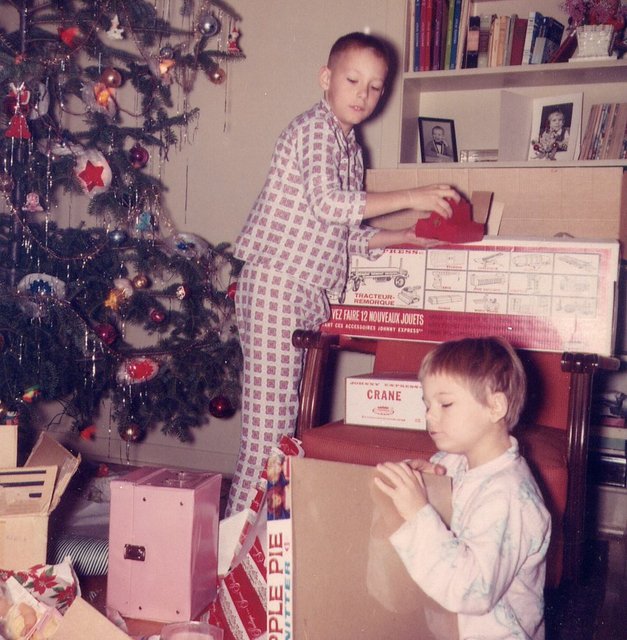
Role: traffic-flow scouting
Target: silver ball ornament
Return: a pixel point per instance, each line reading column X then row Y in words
column 208, row 25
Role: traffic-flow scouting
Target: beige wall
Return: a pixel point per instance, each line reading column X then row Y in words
column 226, row 157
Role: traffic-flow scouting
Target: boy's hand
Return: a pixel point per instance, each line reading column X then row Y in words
column 408, row 236
column 433, row 198
column 404, row 486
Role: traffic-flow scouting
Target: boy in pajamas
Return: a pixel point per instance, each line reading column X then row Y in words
column 297, row 239
column 490, row 566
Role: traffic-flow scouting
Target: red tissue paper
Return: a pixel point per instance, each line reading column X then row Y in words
column 459, row 228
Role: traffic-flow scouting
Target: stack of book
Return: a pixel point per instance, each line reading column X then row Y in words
column 605, row 135
column 444, row 35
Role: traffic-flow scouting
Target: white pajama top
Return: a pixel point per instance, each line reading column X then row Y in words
column 489, row 567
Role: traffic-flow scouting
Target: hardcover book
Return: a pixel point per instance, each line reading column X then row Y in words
column 518, row 41
column 472, row 43
column 533, row 26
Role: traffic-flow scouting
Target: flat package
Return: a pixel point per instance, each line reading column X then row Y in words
column 385, row 400
column 547, row 295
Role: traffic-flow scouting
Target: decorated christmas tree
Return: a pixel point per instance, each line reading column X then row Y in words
column 95, row 94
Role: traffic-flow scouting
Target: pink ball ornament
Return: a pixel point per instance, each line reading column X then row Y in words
column 138, row 156
column 157, row 315
column 107, row 333
column 231, row 290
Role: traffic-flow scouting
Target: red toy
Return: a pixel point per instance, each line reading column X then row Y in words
column 459, row 228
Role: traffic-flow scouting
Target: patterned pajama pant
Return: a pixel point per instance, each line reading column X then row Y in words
column 269, row 307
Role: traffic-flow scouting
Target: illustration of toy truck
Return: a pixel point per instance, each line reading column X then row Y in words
column 358, row 275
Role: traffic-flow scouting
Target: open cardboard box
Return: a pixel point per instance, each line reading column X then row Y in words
column 28, row 495
column 8, row 445
column 82, row 621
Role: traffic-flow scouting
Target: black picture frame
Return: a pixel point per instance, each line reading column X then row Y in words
column 426, row 131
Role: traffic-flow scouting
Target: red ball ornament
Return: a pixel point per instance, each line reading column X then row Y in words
column 89, row 432
column 138, row 156
column 231, row 290
column 107, row 333
column 131, row 432
column 157, row 315
column 221, row 407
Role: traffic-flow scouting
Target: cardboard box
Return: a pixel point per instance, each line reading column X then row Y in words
column 8, row 445
column 163, row 543
column 28, row 496
column 83, row 621
column 547, row 295
column 331, row 571
column 385, row 400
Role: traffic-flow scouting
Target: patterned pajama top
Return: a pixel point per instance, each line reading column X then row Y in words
column 307, row 218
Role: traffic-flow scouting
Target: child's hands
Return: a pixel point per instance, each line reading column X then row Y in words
column 433, row 198
column 424, row 466
column 404, row 486
column 408, row 236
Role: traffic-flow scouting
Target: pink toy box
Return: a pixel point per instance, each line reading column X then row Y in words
column 163, row 543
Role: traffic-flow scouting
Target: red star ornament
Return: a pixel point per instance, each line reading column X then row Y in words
column 93, row 172
column 91, row 175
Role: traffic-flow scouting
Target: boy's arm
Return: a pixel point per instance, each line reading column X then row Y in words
column 429, row 198
column 389, row 237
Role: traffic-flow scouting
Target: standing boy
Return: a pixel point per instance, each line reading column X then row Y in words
column 297, row 239
column 490, row 566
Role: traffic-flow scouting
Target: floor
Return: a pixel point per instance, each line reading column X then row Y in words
column 610, row 624
column 595, row 610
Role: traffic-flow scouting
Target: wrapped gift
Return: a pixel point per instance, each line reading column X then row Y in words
column 163, row 543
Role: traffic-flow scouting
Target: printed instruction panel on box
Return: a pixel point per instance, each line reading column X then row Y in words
column 543, row 294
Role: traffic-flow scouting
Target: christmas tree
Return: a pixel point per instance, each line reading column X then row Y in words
column 93, row 91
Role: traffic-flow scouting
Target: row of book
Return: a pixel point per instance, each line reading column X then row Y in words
column 605, row 135
column 443, row 35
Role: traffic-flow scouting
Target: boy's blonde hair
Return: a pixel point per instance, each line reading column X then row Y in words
column 484, row 365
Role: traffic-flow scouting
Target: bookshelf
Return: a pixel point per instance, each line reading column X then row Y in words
column 472, row 98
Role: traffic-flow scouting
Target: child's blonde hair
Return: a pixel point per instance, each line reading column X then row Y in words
column 484, row 365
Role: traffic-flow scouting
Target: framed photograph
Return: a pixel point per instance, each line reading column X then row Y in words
column 555, row 126
column 437, row 140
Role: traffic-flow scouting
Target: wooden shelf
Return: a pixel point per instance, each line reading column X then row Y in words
column 537, row 75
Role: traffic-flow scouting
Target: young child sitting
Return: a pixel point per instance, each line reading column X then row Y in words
column 489, row 567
